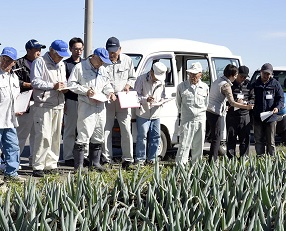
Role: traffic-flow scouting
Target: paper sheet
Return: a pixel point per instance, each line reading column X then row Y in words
column 66, row 88
column 265, row 115
column 100, row 97
column 22, row 101
column 128, row 100
column 162, row 102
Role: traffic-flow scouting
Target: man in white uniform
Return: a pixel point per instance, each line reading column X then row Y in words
column 122, row 76
column 48, row 77
column 192, row 100
column 88, row 79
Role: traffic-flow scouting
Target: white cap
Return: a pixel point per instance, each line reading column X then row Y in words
column 159, row 71
column 195, row 68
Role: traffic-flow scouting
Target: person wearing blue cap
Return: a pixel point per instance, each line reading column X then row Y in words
column 22, row 69
column 9, row 90
column 88, row 80
column 48, row 79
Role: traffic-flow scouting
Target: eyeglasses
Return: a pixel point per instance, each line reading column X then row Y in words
column 77, row 49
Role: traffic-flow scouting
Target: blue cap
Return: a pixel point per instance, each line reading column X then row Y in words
column 61, row 48
column 33, row 43
column 103, row 55
column 10, row 52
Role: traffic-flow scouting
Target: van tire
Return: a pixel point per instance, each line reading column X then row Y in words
column 162, row 146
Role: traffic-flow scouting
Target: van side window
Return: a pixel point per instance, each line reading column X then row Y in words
column 169, row 80
column 221, row 63
column 206, row 71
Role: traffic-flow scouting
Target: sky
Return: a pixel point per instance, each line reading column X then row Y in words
column 254, row 30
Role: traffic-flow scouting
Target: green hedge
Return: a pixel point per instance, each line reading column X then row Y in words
column 228, row 195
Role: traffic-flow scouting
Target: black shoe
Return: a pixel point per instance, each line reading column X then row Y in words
column 14, row 179
column 69, row 162
column 150, row 162
column 38, row 173
column 51, row 171
column 97, row 167
column 127, row 165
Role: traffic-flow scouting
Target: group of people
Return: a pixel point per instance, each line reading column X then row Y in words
column 231, row 95
column 80, row 96
column 65, row 99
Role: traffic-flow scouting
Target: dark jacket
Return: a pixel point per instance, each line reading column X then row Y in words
column 70, row 63
column 267, row 97
column 22, row 70
column 238, row 89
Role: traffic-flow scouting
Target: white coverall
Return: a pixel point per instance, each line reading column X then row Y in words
column 48, row 111
column 119, row 73
column 91, row 113
column 192, row 101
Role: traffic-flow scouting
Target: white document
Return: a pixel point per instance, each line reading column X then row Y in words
column 128, row 100
column 22, row 101
column 100, row 97
column 162, row 102
column 66, row 88
column 265, row 115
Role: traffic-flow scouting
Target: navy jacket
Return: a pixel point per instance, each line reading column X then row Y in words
column 70, row 63
column 267, row 97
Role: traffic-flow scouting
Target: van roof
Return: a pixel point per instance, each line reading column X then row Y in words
column 153, row 45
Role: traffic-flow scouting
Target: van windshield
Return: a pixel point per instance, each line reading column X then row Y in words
column 136, row 59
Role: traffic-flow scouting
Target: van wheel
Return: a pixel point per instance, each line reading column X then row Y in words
column 162, row 146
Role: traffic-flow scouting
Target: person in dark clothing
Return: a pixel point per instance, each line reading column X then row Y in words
column 269, row 97
column 70, row 114
column 22, row 70
column 238, row 120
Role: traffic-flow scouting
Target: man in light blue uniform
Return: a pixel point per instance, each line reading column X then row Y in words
column 192, row 100
column 9, row 90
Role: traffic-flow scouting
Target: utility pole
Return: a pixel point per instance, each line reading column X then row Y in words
column 88, row 23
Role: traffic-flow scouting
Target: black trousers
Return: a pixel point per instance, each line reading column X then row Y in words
column 238, row 126
column 214, row 122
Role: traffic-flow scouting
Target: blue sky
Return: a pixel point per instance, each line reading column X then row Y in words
column 255, row 30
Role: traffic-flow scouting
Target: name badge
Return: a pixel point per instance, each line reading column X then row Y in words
column 240, row 96
column 269, row 96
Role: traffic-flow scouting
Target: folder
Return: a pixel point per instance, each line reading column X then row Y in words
column 22, row 101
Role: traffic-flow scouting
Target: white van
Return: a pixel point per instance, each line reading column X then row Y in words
column 177, row 55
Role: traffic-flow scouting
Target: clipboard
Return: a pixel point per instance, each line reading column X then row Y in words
column 22, row 101
column 128, row 100
column 162, row 102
